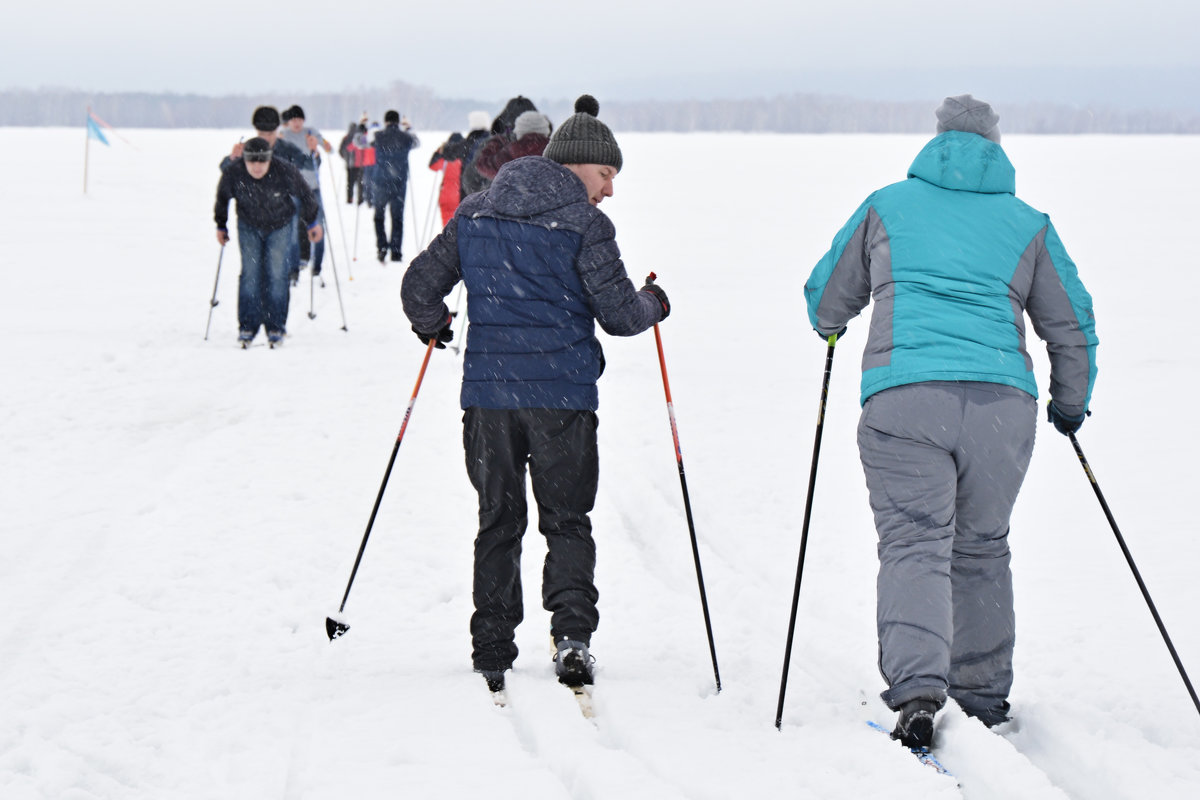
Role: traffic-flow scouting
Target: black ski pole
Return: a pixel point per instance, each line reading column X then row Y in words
column 687, row 503
column 808, row 501
column 337, row 627
column 1132, row 566
column 213, row 302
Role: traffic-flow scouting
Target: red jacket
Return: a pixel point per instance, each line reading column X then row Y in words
column 451, row 193
column 362, row 156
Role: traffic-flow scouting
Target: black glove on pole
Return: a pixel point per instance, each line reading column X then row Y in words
column 687, row 503
column 1064, row 423
column 334, row 627
column 1136, row 575
column 214, row 301
column 440, row 337
column 808, row 501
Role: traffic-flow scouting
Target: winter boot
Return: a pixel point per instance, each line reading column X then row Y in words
column 915, row 727
column 494, row 678
column 573, row 663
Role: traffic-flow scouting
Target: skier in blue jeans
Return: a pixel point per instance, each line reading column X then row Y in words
column 954, row 262
column 266, row 192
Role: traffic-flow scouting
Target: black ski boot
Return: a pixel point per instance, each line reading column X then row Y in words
column 573, row 663
column 914, row 729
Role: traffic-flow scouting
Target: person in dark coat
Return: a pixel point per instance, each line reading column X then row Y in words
column 541, row 267
column 392, row 145
column 479, row 124
column 267, row 193
column 353, row 171
column 501, row 135
column 530, row 135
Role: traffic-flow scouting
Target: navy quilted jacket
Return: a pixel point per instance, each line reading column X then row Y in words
column 541, row 267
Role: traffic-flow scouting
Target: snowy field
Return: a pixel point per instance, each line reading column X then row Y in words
column 179, row 516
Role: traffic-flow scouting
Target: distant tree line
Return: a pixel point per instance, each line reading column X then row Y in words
column 790, row 113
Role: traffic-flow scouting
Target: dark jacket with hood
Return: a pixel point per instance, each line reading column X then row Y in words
column 541, row 267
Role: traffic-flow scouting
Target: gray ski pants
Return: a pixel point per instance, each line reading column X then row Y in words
column 944, row 462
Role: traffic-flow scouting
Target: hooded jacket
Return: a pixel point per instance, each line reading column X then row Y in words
column 954, row 261
column 541, row 267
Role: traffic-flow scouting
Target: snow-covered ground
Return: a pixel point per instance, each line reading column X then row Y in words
column 179, row 516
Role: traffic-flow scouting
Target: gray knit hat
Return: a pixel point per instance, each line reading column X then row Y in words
column 583, row 139
column 531, row 122
column 965, row 113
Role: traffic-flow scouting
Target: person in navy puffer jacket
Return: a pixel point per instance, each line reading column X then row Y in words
column 390, row 181
column 541, row 267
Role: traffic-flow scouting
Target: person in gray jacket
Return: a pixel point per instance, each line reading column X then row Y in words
column 308, row 141
column 541, row 267
column 954, row 262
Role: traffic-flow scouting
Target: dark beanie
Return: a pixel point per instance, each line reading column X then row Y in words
column 390, row 117
column 964, row 113
column 265, row 118
column 295, row 112
column 583, row 139
column 257, row 149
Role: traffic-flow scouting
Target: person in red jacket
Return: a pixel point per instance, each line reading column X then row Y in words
column 530, row 135
column 448, row 160
column 362, row 156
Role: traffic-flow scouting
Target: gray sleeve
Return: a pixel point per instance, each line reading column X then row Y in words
column 1060, row 309
column 429, row 278
column 839, row 287
column 618, row 306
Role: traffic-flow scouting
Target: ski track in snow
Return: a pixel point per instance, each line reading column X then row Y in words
column 180, row 515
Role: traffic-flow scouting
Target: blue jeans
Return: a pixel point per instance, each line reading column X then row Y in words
column 263, row 284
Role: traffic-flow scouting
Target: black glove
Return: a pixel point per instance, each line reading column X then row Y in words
column 654, row 289
column 1064, row 424
column 443, row 335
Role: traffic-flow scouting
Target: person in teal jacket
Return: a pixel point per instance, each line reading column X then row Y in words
column 953, row 262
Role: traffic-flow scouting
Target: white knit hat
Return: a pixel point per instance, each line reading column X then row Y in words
column 531, row 122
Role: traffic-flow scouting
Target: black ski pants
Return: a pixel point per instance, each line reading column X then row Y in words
column 559, row 447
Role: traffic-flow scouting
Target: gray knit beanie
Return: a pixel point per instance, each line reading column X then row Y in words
column 965, row 113
column 531, row 122
column 583, row 139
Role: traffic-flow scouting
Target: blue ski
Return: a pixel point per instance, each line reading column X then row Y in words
column 922, row 753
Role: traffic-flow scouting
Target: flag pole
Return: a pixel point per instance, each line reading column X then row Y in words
column 87, row 146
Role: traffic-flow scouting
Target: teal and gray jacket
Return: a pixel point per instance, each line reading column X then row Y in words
column 953, row 261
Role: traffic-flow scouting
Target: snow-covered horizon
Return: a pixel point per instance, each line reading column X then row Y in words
column 180, row 516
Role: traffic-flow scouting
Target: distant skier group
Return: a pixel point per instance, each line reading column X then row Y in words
column 952, row 260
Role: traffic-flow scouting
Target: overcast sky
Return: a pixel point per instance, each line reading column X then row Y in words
column 1064, row 50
